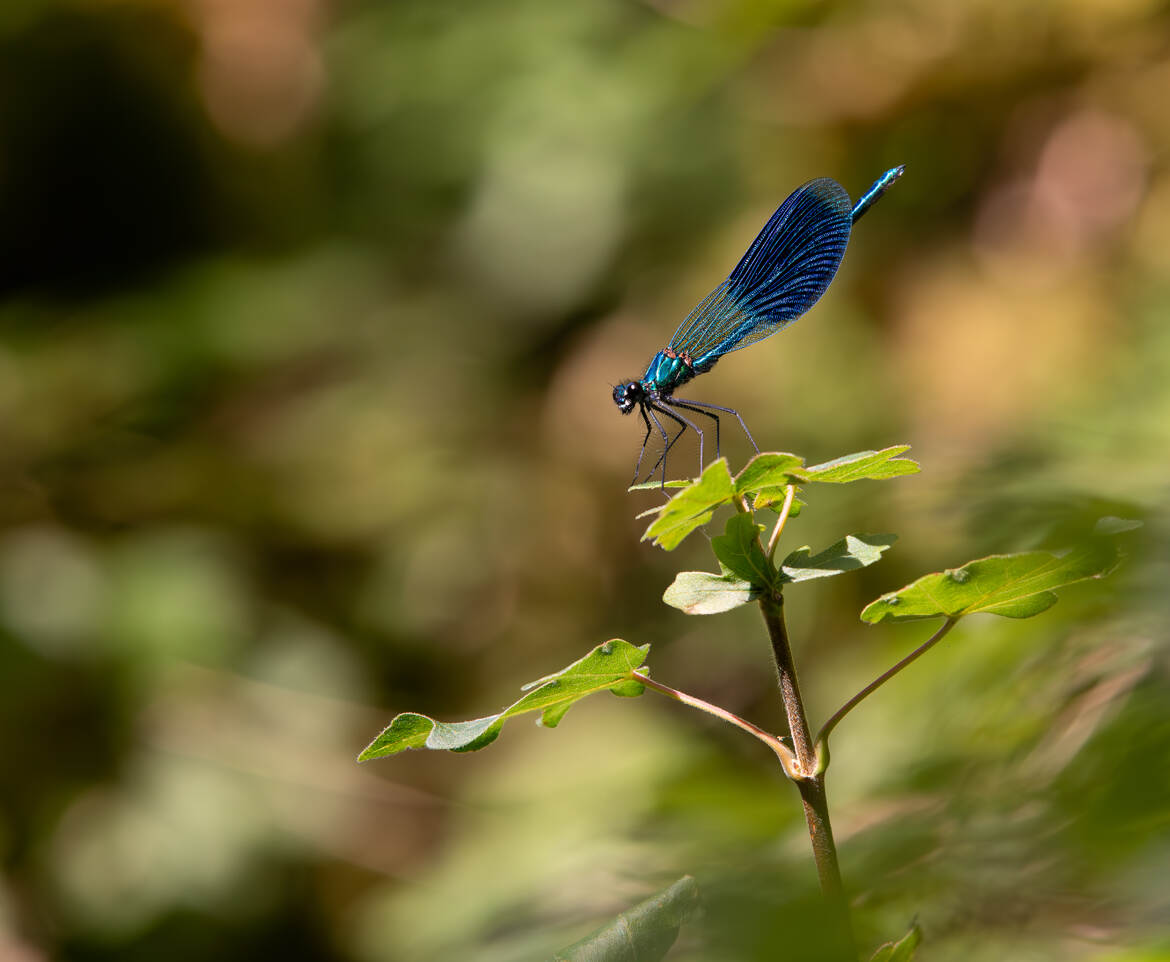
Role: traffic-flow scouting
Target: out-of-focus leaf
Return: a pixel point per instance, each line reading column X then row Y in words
column 1111, row 525
column 607, row 667
column 643, row 934
column 901, row 951
column 738, row 550
column 848, row 554
column 772, row 471
column 692, row 507
column 1151, row 953
column 702, row 593
column 1013, row 585
column 871, row 465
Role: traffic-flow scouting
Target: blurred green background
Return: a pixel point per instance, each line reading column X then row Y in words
column 309, row 317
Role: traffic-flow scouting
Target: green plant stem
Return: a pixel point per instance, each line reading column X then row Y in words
column 810, row 782
column 822, row 742
column 789, row 496
column 787, row 759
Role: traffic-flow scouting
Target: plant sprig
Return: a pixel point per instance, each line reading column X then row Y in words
column 1009, row 585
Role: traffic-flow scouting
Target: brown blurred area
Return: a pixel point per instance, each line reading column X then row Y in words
column 310, row 314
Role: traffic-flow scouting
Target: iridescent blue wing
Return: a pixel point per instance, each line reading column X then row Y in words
column 781, row 276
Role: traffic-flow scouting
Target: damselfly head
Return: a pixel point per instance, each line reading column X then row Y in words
column 625, row 396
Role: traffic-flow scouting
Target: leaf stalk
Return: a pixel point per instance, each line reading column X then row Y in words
column 822, row 742
column 783, row 752
column 774, row 539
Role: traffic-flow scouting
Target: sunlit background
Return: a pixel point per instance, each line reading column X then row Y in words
column 310, row 318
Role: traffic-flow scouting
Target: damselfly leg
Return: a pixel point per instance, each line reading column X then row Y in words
column 666, row 448
column 682, row 431
column 670, row 409
column 667, row 445
column 645, row 441
column 693, row 404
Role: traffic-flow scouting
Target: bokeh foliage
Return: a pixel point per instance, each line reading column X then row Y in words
column 309, row 318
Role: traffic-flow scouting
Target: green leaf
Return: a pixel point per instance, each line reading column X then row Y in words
column 692, row 507
column 774, row 501
column 608, row 667
column 1012, row 585
column 848, row 554
column 771, row 471
column 900, row 951
column 738, row 550
column 657, row 485
column 872, row 465
column 643, row 934
column 1111, row 525
column 702, row 593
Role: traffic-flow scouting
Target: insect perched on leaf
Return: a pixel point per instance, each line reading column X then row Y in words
column 783, row 274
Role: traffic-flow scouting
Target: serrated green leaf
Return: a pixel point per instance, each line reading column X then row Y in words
column 848, row 554
column 738, row 550
column 643, row 934
column 901, row 951
column 607, row 667
column 871, row 465
column 702, row 593
column 770, row 471
column 1013, row 585
column 692, row 507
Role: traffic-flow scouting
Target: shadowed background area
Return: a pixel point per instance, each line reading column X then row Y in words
column 310, row 315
